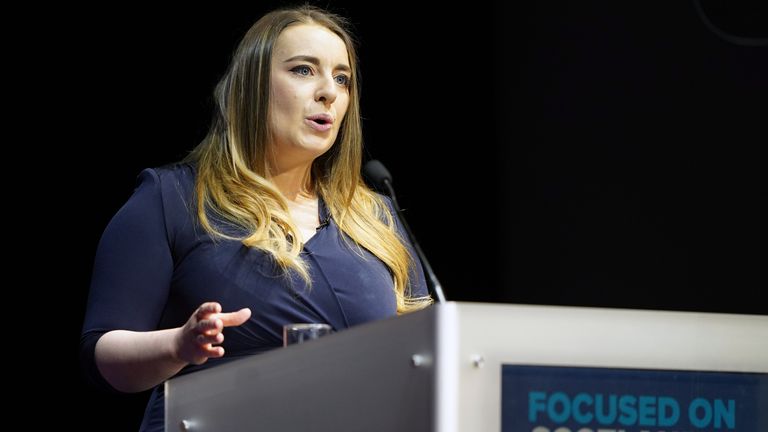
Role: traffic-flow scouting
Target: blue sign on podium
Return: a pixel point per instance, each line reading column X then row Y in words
column 586, row 399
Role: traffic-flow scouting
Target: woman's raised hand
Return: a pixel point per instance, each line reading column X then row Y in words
column 197, row 340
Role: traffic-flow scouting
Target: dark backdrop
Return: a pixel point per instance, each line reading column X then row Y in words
column 594, row 154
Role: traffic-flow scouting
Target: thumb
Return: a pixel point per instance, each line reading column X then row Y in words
column 232, row 319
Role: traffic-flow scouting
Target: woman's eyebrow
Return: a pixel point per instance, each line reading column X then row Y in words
column 315, row 61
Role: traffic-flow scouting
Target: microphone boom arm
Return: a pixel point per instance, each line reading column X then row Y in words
column 437, row 288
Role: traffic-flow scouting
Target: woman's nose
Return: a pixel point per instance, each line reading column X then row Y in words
column 326, row 90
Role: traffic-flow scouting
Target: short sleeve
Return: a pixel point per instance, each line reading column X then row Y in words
column 132, row 271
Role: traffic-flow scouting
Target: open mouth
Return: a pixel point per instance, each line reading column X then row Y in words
column 320, row 122
column 321, row 119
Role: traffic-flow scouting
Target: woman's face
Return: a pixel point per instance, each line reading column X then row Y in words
column 309, row 93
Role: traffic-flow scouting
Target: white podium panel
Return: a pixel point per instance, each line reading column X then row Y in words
column 488, row 367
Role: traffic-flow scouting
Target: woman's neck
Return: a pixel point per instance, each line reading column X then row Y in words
column 296, row 187
column 294, row 183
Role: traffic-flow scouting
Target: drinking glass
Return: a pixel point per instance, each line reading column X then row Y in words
column 302, row 332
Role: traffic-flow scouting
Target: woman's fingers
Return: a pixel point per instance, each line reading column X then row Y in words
column 210, row 339
column 215, row 352
column 207, row 351
column 206, row 309
column 232, row 319
column 211, row 311
column 210, row 326
column 203, row 332
column 215, row 323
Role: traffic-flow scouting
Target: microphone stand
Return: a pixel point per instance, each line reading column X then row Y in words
column 437, row 289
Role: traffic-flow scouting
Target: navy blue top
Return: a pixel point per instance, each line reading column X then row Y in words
column 155, row 265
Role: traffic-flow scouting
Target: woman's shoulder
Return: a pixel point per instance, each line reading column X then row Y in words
column 174, row 179
column 170, row 188
column 172, row 184
column 175, row 173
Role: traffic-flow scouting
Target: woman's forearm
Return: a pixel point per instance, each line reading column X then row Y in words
column 136, row 361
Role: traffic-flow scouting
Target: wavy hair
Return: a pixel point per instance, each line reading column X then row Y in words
column 232, row 171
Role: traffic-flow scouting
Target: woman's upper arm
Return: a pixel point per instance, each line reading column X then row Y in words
column 133, row 266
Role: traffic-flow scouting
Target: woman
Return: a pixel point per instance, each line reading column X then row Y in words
column 267, row 219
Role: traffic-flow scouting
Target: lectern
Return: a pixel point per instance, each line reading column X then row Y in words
column 474, row 367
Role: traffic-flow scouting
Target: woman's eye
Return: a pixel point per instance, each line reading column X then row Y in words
column 342, row 80
column 302, row 70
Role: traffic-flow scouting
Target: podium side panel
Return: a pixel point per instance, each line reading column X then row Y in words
column 360, row 379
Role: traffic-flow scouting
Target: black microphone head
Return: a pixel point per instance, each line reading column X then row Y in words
column 377, row 174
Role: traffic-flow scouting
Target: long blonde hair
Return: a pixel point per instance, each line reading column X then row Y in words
column 232, row 168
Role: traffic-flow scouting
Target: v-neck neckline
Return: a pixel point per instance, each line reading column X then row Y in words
column 325, row 220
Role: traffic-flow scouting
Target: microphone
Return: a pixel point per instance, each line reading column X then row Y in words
column 382, row 181
column 323, row 223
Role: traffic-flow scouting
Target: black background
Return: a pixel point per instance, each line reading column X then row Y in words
column 592, row 154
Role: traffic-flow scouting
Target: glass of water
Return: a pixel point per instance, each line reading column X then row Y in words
column 302, row 332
